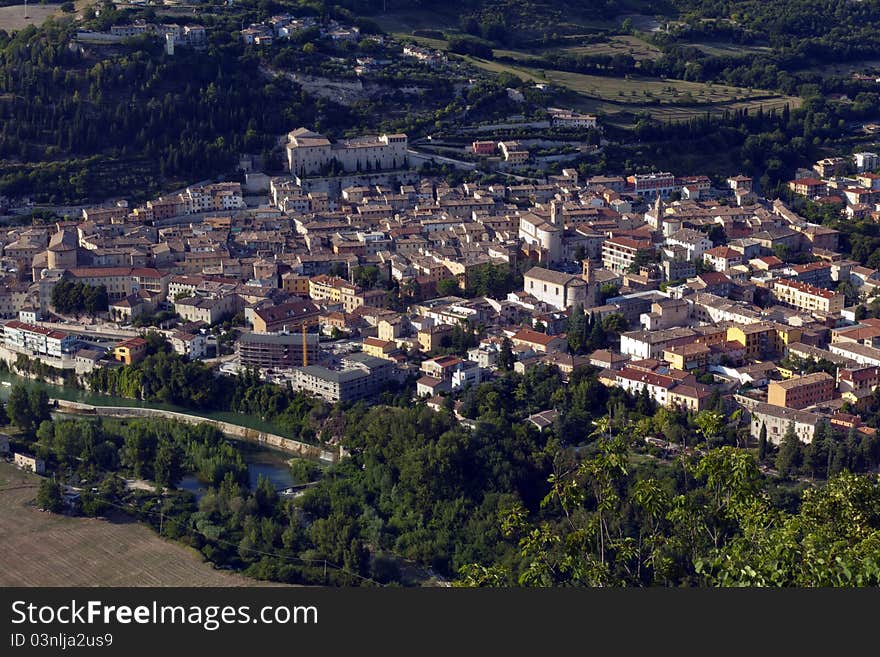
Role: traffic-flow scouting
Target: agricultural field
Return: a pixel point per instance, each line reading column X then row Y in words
column 616, row 45
column 43, row 549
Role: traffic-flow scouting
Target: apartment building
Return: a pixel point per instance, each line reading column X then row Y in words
column 37, row 340
column 652, row 185
column 288, row 316
column 809, row 187
column 777, row 419
column 363, row 377
column 763, row 338
column 807, row 297
column 621, row 253
column 722, row 258
column 801, row 391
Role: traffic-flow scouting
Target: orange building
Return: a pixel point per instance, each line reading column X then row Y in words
column 801, row 391
column 131, row 351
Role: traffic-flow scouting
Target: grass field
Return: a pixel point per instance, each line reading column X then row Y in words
column 12, row 18
column 721, row 49
column 42, row 549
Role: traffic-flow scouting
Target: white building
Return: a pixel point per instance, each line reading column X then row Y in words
column 866, row 161
column 555, row 288
column 540, row 234
column 37, row 340
column 692, row 241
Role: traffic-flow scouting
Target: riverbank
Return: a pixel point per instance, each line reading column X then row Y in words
column 239, row 432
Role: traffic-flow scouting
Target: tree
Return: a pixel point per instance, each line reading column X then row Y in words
column 790, row 454
column 167, row 467
column 447, row 287
column 27, row 407
column 576, row 331
column 762, row 443
column 615, row 323
column 506, row 359
column 598, row 337
column 710, row 423
column 49, row 496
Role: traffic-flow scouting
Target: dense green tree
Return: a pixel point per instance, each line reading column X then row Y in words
column 167, row 466
column 790, row 454
column 49, row 496
column 27, row 407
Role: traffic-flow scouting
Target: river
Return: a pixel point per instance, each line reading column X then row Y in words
column 261, row 461
column 74, row 394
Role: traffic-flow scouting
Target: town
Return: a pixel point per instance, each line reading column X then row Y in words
column 356, row 273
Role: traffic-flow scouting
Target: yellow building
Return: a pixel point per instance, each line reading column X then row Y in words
column 686, row 357
column 430, row 338
column 763, row 338
column 295, row 284
column 379, row 348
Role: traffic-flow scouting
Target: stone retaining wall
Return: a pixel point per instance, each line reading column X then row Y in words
column 234, row 430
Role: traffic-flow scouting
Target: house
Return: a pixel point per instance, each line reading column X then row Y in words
column 809, row 187
column 513, row 152
column 130, row 351
column 440, row 367
column 539, row 342
column 85, row 360
column 429, row 386
column 607, row 359
column 192, row 345
column 722, row 258
column 483, row 147
column 432, row 338
column 378, row 348
column 830, row 166
column 543, row 419
column 32, row 463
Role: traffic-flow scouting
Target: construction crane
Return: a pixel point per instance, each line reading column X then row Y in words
column 305, row 345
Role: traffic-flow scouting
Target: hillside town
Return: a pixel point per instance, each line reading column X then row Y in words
column 355, row 273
